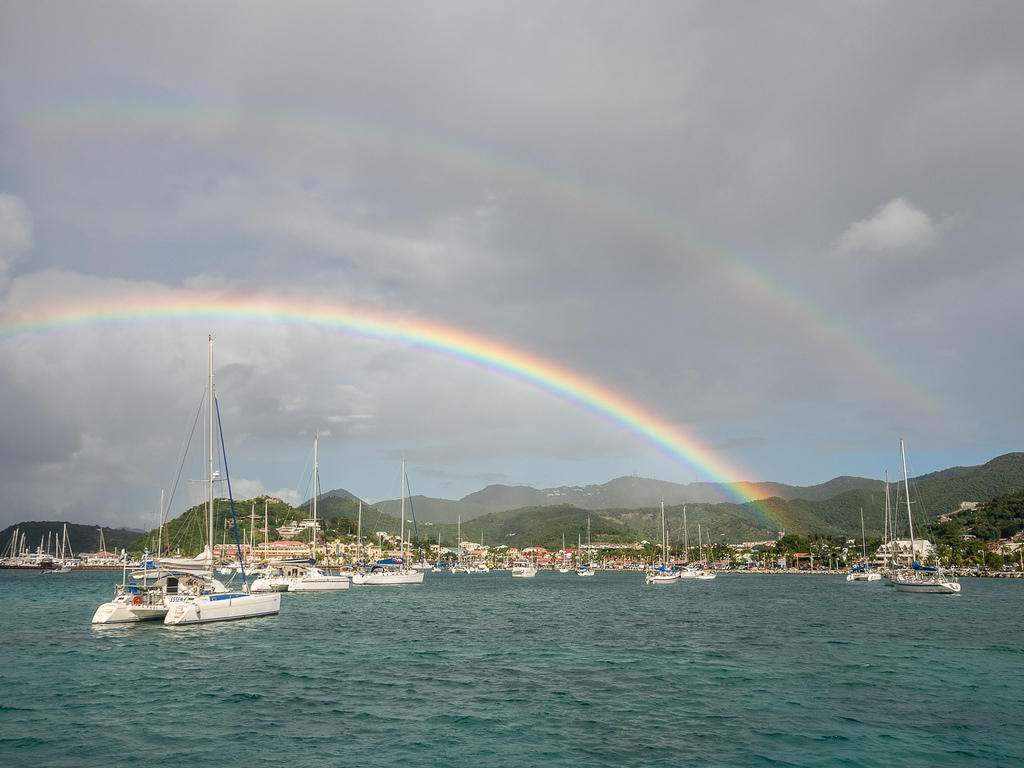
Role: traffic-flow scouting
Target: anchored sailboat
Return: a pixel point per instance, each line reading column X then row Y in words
column 917, row 577
column 222, row 606
column 662, row 573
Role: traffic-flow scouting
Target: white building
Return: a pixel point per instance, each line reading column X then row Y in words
column 923, row 549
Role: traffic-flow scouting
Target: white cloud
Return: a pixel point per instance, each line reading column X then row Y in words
column 244, row 490
column 897, row 225
column 15, row 231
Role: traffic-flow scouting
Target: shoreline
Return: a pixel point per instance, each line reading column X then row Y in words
column 774, row 572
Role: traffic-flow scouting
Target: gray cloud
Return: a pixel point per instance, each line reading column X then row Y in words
column 791, row 231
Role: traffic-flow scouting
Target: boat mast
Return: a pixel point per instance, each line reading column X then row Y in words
column 664, row 537
column 209, row 446
column 906, row 488
column 887, row 534
column 401, row 529
column 266, row 530
column 686, row 538
column 316, row 479
column 863, row 540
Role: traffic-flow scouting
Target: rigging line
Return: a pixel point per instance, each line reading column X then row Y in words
column 415, row 530
column 183, row 453
column 227, row 477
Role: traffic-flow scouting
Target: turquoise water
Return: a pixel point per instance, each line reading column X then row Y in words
column 489, row 670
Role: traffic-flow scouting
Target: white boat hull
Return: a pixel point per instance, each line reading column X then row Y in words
column 388, row 578
column 122, row 611
column 938, row 586
column 524, row 573
column 319, row 584
column 864, row 576
column 661, row 578
column 270, row 584
column 222, row 607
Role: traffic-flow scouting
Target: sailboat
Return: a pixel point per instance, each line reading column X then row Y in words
column 387, row 573
column 588, row 569
column 221, row 606
column 459, row 567
column 662, row 573
column 313, row 579
column 863, row 572
column 917, row 577
column 704, row 574
column 687, row 571
column 563, row 566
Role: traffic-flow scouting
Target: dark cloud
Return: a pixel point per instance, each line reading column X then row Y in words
column 792, row 230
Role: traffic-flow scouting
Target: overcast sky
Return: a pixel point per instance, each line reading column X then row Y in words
column 792, row 230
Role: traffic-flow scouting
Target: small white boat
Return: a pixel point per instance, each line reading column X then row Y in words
column 863, row 572
column 588, row 569
column 382, row 575
column 392, row 572
column 523, row 569
column 705, row 575
column 269, row 580
column 481, row 568
column 661, row 576
column 662, row 573
column 316, row 580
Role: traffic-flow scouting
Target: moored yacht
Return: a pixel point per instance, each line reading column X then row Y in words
column 523, row 569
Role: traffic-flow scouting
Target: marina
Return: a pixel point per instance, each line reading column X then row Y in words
column 485, row 676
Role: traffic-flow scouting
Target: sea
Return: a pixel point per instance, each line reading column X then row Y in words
column 489, row 670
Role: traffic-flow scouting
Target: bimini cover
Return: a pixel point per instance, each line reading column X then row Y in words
column 919, row 567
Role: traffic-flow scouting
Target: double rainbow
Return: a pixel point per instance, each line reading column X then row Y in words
column 428, row 335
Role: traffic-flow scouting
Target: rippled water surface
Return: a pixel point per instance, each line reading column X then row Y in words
column 490, row 670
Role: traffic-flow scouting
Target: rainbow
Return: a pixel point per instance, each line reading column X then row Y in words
column 418, row 333
column 833, row 339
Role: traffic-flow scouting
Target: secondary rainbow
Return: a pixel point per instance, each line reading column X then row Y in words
column 416, row 332
column 833, row 338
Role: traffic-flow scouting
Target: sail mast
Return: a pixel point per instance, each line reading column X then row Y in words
column 863, row 539
column 401, row 529
column 209, row 446
column 906, row 488
column 316, row 483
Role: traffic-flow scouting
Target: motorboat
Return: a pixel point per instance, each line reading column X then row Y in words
column 316, row 580
column 523, row 569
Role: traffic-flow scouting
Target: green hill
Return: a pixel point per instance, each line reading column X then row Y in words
column 83, row 538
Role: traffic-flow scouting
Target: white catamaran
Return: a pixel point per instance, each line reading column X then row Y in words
column 218, row 606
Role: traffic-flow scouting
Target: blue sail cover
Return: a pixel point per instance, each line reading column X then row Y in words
column 919, row 567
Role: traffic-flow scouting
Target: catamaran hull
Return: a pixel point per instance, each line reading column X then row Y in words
column 225, row 607
column 122, row 613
